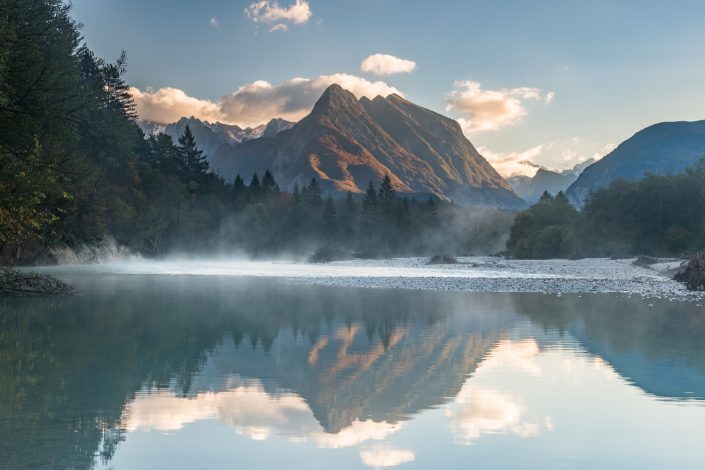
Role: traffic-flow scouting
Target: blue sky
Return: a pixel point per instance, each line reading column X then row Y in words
column 553, row 82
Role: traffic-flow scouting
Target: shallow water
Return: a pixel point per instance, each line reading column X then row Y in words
column 154, row 371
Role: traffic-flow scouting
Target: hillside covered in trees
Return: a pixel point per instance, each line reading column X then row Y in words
column 661, row 215
column 75, row 168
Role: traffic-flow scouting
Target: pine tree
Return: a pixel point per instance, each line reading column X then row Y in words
column 239, row 190
column 370, row 200
column 193, row 161
column 313, row 193
column 387, row 195
column 296, row 194
column 330, row 219
column 269, row 185
column 254, row 189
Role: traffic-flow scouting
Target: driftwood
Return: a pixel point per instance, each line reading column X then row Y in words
column 692, row 274
column 16, row 283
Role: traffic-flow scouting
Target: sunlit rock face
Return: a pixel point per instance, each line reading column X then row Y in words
column 347, row 143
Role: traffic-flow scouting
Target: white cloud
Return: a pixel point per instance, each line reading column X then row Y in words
column 385, row 456
column 384, row 64
column 512, row 163
column 486, row 110
column 269, row 11
column 514, row 355
column 252, row 104
column 556, row 155
column 486, row 411
column 167, row 105
column 214, row 22
column 252, row 412
column 278, row 27
column 550, row 96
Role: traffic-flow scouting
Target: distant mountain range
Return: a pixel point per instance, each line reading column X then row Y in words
column 530, row 188
column 209, row 137
column 347, row 143
column 659, row 149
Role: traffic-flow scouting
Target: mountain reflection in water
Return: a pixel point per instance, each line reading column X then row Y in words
column 133, row 366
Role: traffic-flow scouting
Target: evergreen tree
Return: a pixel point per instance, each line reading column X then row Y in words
column 313, row 193
column 254, row 189
column 193, row 161
column 330, row 219
column 239, row 190
column 370, row 200
column 387, row 195
column 269, row 185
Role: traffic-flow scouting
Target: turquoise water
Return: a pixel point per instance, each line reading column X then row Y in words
column 140, row 371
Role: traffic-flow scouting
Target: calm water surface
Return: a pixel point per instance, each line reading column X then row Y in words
column 151, row 372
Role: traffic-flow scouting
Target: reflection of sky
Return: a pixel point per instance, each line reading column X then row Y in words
column 525, row 406
column 253, row 413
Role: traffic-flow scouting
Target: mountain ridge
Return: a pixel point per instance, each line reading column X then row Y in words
column 347, row 143
column 660, row 148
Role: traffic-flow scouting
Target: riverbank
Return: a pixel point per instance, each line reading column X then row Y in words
column 473, row 274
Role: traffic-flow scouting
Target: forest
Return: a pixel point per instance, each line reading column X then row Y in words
column 75, row 168
column 660, row 215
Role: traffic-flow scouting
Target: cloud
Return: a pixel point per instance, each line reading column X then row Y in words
column 269, row 11
column 252, row 412
column 214, row 22
column 253, row 104
column 514, row 355
column 487, row 110
column 385, row 456
column 384, row 64
column 167, row 105
column 512, row 163
column 557, row 155
column 278, row 27
column 476, row 412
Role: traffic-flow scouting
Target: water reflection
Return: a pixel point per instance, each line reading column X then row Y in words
column 379, row 378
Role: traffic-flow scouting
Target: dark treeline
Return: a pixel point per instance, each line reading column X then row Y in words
column 266, row 220
column 75, row 167
column 661, row 215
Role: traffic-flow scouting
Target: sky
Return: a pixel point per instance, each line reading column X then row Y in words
column 548, row 82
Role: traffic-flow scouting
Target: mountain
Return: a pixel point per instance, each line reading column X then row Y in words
column 530, row 189
column 347, row 143
column 210, row 137
column 578, row 167
column 659, row 149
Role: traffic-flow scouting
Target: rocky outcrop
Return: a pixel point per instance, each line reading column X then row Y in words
column 693, row 273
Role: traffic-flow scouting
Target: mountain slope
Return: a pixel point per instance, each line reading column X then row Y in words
column 661, row 148
column 346, row 143
column 210, row 136
column 530, row 189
